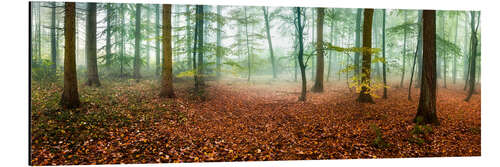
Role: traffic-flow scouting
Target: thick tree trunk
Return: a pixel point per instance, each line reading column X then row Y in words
column 364, row 94
column 473, row 53
column 91, row 46
column 320, row 66
column 426, row 112
column 53, row 45
column 271, row 52
column 358, row 45
column 167, row 87
column 69, row 97
column 137, row 50
column 219, row 42
column 199, row 35
column 384, row 74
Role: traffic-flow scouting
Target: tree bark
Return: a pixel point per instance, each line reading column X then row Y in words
column 248, row 47
column 53, row 45
column 91, row 46
column 137, row 50
column 157, row 39
column 320, row 65
column 167, row 87
column 108, row 35
column 364, row 94
column 426, row 111
column 69, row 97
column 473, row 53
column 358, row 45
column 417, row 50
column 300, row 29
column 199, row 35
column 404, row 54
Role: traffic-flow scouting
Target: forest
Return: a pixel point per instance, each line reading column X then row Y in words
column 114, row 83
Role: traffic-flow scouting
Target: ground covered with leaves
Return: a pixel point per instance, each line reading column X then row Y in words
column 126, row 122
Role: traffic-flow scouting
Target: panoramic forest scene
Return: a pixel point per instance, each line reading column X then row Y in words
column 116, row 83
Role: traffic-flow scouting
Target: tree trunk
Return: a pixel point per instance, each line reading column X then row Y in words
column 330, row 53
column 137, row 50
column 91, row 46
column 69, row 97
column 219, row 42
column 300, row 29
column 122, row 38
column 320, row 66
column 53, row 48
column 364, row 94
column 426, row 112
column 248, row 47
column 358, row 44
column 199, row 67
column 108, row 35
column 473, row 53
column 167, row 87
column 271, row 53
column 384, row 74
column 417, row 50
column 454, row 75
column 443, row 52
column 157, row 39
column 147, row 36
column 404, row 54
column 188, row 36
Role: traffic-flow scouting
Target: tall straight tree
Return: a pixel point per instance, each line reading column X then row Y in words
column 157, row 39
column 108, row 35
column 404, row 52
column 299, row 26
column 122, row 37
column 53, row 45
column 384, row 75
column 269, row 41
column 473, row 52
column 364, row 94
column 167, row 87
column 443, row 51
column 248, row 46
column 454, row 74
column 91, row 46
column 320, row 65
column 426, row 111
column 198, row 77
column 218, row 51
column 69, row 97
column 137, row 50
column 358, row 44
column 188, row 36
column 147, row 35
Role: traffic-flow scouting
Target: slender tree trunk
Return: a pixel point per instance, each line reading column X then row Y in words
column 108, row 35
column 473, row 53
column 320, row 67
column 122, row 38
column 358, row 45
column 417, row 50
column 271, row 53
column 188, row 36
column 248, row 47
column 147, row 36
column 167, row 87
column 300, row 29
column 443, row 52
column 404, row 54
column 426, row 112
column 313, row 58
column 219, row 42
column 384, row 74
column 53, row 47
column 137, row 50
column 69, row 97
column 364, row 94
column 466, row 53
column 30, row 35
column 455, row 56
column 199, row 74
column 39, row 58
column 330, row 53
column 157, row 39
column 91, row 46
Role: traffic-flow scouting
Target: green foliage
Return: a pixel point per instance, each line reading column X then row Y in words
column 379, row 141
column 43, row 72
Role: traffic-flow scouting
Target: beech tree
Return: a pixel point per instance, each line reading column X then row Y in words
column 364, row 94
column 167, row 87
column 320, row 65
column 91, row 46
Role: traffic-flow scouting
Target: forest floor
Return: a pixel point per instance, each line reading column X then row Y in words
column 126, row 122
